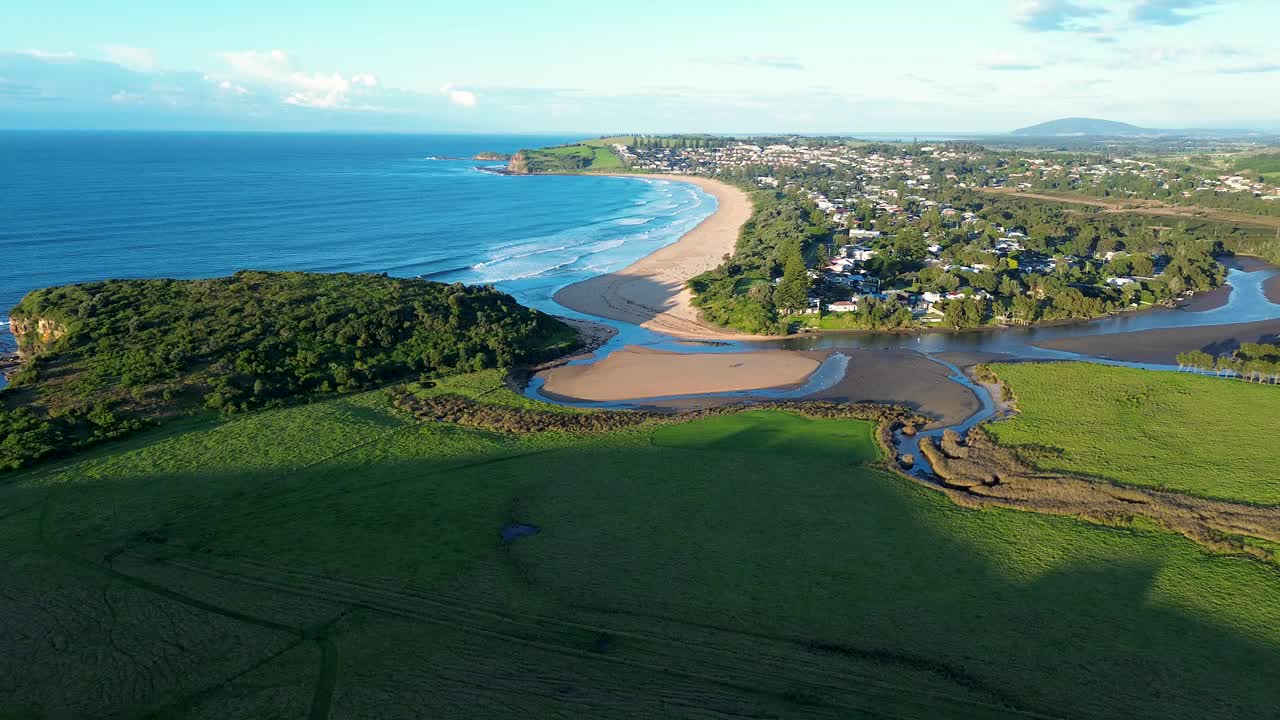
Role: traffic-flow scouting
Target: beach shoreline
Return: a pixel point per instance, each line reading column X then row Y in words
column 652, row 292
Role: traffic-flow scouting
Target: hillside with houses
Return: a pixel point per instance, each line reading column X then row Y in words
column 914, row 235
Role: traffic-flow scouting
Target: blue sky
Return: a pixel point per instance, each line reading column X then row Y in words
column 569, row 65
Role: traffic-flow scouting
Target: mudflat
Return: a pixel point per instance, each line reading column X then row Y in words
column 1163, row 345
column 905, row 378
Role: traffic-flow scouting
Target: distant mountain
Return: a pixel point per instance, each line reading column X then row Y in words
column 1079, row 126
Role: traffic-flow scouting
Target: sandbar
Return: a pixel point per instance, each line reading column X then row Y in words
column 636, row 373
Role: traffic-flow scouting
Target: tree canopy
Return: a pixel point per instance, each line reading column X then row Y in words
column 130, row 351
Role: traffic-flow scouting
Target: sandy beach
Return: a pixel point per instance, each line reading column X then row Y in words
column 651, row 292
column 636, row 372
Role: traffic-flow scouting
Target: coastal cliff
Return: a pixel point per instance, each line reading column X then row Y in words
column 518, row 163
column 35, row 335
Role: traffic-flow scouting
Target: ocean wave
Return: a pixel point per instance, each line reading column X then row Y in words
column 510, row 269
column 533, row 273
column 634, row 221
column 697, row 204
column 517, row 256
column 605, row 245
column 446, row 271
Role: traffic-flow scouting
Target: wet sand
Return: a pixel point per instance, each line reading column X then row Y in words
column 1272, row 289
column 906, row 378
column 651, row 292
column 1211, row 300
column 1162, row 346
column 1247, row 263
column 636, row 372
column 879, row 376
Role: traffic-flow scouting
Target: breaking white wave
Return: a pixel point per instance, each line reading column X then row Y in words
column 517, row 256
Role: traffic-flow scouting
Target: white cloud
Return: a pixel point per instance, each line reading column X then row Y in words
column 318, row 90
column 48, row 55
column 226, row 86
column 457, row 96
column 124, row 97
column 1257, row 67
column 277, row 69
column 1049, row 15
column 1170, row 12
column 1005, row 60
column 271, row 64
column 135, row 58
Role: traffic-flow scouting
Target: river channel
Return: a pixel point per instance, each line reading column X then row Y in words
column 1246, row 302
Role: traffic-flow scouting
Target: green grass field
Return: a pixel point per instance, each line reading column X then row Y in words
column 574, row 158
column 1267, row 164
column 1199, row 435
column 341, row 560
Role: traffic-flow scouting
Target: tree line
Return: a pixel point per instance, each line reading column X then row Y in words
column 133, row 351
column 1255, row 362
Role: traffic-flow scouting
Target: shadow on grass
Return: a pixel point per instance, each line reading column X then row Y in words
column 788, row 583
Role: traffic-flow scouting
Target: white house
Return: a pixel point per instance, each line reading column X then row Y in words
column 861, row 253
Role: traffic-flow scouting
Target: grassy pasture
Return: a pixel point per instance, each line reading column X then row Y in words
column 341, row 560
column 1267, row 165
column 1188, row 433
column 573, row 158
column 774, row 432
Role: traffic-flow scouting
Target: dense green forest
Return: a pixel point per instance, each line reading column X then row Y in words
column 130, row 352
column 783, row 229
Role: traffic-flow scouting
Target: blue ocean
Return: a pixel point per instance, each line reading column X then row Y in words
column 89, row 206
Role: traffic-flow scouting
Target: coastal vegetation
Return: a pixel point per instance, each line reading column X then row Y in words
column 1178, row 432
column 827, row 248
column 759, row 564
column 1252, row 362
column 740, row 294
column 105, row 358
column 566, row 159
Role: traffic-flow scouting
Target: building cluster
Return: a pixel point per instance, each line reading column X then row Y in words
column 865, row 183
column 1124, row 176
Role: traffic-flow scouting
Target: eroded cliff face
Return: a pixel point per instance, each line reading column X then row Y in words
column 518, row 163
column 34, row 335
